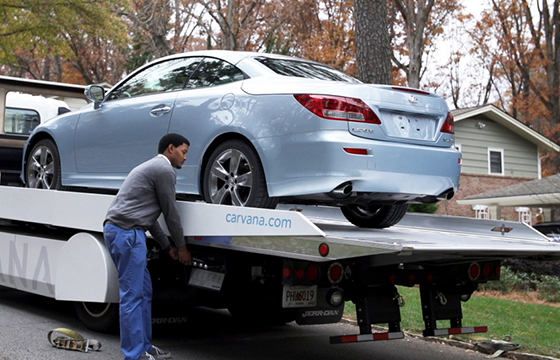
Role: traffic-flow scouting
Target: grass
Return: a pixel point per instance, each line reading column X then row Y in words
column 535, row 326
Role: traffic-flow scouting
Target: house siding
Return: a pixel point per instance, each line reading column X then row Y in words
column 520, row 155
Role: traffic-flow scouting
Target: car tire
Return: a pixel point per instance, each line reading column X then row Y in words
column 43, row 166
column 99, row 317
column 374, row 216
column 234, row 175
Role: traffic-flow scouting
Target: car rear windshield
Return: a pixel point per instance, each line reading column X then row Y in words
column 305, row 69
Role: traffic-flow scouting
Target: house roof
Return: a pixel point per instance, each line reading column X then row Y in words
column 536, row 193
column 493, row 113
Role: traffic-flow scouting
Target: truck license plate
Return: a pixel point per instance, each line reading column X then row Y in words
column 206, row 279
column 299, row 296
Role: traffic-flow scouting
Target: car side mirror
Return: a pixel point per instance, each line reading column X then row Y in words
column 95, row 93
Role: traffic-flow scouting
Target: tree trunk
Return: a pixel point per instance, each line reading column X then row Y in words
column 372, row 41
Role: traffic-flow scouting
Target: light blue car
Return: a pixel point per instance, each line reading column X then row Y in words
column 263, row 129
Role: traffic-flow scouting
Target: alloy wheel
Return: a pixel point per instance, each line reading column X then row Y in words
column 231, row 178
column 41, row 168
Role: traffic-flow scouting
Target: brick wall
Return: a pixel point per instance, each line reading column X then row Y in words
column 473, row 184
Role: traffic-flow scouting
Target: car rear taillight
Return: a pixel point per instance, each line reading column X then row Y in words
column 338, row 108
column 449, row 124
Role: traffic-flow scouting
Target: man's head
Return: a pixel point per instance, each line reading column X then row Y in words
column 175, row 148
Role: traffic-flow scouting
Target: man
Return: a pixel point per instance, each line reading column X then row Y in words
column 148, row 191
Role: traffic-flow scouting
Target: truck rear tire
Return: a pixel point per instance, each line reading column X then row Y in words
column 99, row 317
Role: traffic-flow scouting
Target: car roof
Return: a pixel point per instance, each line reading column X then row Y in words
column 229, row 55
column 233, row 57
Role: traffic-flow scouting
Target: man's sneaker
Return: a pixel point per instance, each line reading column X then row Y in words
column 157, row 353
column 147, row 356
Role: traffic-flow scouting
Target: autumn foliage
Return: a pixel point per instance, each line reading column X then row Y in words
column 514, row 43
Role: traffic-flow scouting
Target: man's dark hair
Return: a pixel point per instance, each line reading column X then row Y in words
column 171, row 138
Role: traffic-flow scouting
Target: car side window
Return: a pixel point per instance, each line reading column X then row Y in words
column 20, row 121
column 170, row 75
column 213, row 72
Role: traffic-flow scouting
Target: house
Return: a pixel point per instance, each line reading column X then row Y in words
column 498, row 152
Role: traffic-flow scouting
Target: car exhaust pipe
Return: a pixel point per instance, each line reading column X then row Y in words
column 446, row 195
column 342, row 191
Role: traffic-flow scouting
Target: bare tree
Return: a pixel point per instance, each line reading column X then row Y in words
column 236, row 20
column 422, row 21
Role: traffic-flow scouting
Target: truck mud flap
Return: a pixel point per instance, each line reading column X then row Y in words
column 323, row 313
column 380, row 305
column 444, row 303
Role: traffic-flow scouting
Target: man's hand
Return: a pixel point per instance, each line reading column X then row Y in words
column 184, row 256
column 174, row 253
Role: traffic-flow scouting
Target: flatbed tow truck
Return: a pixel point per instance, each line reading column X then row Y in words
column 273, row 265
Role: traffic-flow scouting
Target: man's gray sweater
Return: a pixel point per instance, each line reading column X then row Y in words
column 148, row 191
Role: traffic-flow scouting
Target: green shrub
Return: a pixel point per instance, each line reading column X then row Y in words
column 423, row 208
column 511, row 281
column 549, row 288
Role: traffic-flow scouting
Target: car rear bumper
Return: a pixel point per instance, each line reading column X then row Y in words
column 316, row 163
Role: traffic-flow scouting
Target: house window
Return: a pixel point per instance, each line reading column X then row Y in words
column 496, row 161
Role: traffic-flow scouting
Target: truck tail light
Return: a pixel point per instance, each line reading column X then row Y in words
column 487, row 270
column 474, row 271
column 287, row 272
column 449, row 124
column 312, row 272
column 335, row 273
column 338, row 108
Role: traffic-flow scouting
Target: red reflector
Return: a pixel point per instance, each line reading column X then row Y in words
column 381, row 336
column 335, row 273
column 324, row 249
column 312, row 272
column 411, row 278
column 498, row 270
column 449, row 124
column 287, row 272
column 349, row 338
column 392, row 278
column 356, row 151
column 479, row 329
column 338, row 108
column 300, row 273
column 430, row 278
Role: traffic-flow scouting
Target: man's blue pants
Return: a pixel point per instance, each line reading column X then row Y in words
column 128, row 251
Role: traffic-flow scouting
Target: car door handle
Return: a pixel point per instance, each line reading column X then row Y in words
column 159, row 111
